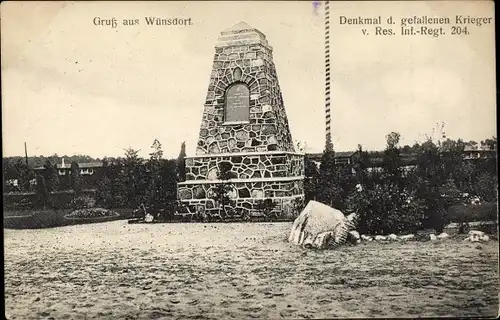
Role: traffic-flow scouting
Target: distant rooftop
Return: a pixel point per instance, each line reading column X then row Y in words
column 338, row 154
column 480, row 149
column 83, row 165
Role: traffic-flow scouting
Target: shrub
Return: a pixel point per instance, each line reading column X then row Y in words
column 41, row 191
column 266, row 206
column 487, row 187
column 490, row 227
column 19, row 201
column 83, row 202
column 384, row 209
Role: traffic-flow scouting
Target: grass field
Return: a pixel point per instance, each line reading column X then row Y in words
column 115, row 270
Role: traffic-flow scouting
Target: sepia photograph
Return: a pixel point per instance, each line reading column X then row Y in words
column 249, row 159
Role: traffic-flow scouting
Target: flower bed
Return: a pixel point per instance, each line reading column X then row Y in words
column 91, row 213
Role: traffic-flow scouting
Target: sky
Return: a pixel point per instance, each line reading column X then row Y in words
column 70, row 87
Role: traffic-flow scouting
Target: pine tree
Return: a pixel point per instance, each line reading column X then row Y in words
column 118, row 187
column 310, row 179
column 76, row 182
column 41, row 190
column 329, row 191
column 181, row 163
column 133, row 176
column 360, row 166
column 328, row 144
column 222, row 190
column 157, row 151
column 24, row 174
column 155, row 195
column 51, row 177
column 392, row 158
column 169, row 183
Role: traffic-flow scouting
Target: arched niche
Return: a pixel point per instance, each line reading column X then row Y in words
column 237, row 74
column 237, row 103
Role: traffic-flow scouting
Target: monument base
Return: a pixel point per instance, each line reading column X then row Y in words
column 281, row 209
column 267, row 185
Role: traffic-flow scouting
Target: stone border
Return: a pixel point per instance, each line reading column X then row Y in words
column 261, row 153
column 198, row 201
column 277, row 179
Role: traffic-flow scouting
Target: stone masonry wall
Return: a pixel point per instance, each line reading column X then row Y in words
column 244, row 209
column 244, row 128
column 243, row 190
column 267, row 129
column 245, row 166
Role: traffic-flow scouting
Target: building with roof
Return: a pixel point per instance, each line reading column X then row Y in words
column 471, row 153
column 90, row 173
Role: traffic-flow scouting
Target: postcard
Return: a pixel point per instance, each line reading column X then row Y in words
column 249, row 159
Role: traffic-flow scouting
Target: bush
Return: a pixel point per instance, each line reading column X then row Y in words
column 481, row 212
column 490, row 227
column 266, row 207
column 486, row 187
column 83, row 202
column 383, row 209
column 20, row 201
column 437, row 220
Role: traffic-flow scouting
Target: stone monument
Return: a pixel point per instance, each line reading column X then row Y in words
column 244, row 132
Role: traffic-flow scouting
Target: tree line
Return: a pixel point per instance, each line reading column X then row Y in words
column 395, row 198
column 130, row 182
column 392, row 199
column 124, row 182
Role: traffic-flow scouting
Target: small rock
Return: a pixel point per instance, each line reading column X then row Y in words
column 475, row 232
column 355, row 234
column 432, row 237
column 484, row 238
column 380, row 238
column 474, row 238
column 407, row 237
column 443, row 235
column 392, row 237
column 366, row 238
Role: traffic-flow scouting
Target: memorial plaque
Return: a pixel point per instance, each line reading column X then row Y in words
column 237, row 103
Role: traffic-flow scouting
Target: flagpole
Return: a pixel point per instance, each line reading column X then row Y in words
column 328, row 136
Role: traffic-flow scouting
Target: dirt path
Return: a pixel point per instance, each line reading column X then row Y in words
column 212, row 271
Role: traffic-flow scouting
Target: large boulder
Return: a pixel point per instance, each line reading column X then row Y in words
column 319, row 225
